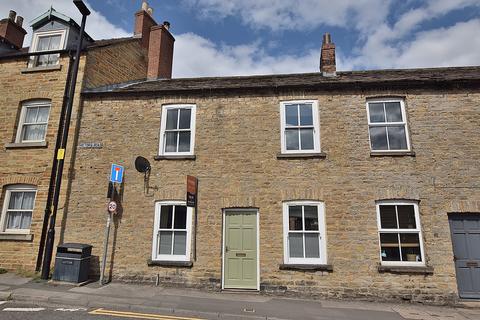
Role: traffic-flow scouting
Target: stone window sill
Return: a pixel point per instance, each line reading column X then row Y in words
column 178, row 264
column 392, row 154
column 20, row 145
column 16, row 236
column 306, row 267
column 422, row 270
column 175, row 157
column 42, row 69
column 317, row 155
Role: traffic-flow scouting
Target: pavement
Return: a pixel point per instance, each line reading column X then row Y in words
column 128, row 300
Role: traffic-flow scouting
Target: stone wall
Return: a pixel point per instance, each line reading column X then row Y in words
column 116, row 63
column 31, row 165
column 237, row 141
column 123, row 61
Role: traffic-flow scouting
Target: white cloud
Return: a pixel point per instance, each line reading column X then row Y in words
column 98, row 27
column 196, row 56
column 406, row 45
column 297, row 14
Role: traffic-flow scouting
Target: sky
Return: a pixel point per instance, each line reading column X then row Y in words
column 245, row 37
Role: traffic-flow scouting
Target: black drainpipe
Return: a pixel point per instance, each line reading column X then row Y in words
column 51, row 186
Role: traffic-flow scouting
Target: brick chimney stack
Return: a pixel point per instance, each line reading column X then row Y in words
column 160, row 52
column 327, row 56
column 158, row 40
column 143, row 22
column 12, row 30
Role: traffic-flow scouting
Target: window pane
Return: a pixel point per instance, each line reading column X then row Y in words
column 15, row 200
column 312, row 249
column 184, row 143
column 34, row 132
column 185, row 115
column 306, row 117
column 180, row 217
column 42, row 60
column 394, row 112
column 397, row 138
column 53, row 59
column 43, row 43
column 291, row 115
column 378, row 138
column 171, row 141
column 180, row 243
column 54, row 42
column 377, row 114
column 31, row 115
column 172, row 117
column 43, row 114
column 410, row 247
column 406, row 217
column 295, row 218
column 165, row 245
column 28, row 199
column 26, row 220
column 311, row 217
column 306, row 138
column 14, row 220
column 388, row 217
column 295, row 242
column 291, row 137
column 389, row 247
column 166, row 217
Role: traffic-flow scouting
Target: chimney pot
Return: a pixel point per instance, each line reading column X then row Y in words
column 166, row 24
column 326, row 38
column 150, row 11
column 144, row 5
column 328, row 65
column 11, row 15
column 19, row 21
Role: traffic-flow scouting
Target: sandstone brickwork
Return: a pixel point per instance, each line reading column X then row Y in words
column 236, row 147
column 103, row 64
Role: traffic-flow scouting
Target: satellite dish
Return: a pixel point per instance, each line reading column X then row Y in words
column 142, row 164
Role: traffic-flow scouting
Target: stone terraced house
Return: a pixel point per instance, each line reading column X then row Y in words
column 32, row 97
column 358, row 184
column 332, row 184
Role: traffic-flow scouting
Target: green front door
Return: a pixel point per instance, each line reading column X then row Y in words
column 240, row 259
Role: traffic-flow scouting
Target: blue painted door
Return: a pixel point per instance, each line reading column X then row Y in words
column 465, row 230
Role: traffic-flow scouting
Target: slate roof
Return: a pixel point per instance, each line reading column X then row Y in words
column 435, row 77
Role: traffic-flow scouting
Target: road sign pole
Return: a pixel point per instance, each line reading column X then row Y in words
column 105, row 249
column 107, row 234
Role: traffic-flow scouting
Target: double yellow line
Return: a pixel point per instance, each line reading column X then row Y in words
column 137, row 315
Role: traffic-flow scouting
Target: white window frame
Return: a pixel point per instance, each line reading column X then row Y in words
column 388, row 124
column 417, row 230
column 165, row 108
column 155, row 243
column 8, row 191
column 40, row 34
column 316, row 126
column 23, row 114
column 321, row 230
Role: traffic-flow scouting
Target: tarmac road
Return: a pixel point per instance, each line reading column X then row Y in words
column 28, row 311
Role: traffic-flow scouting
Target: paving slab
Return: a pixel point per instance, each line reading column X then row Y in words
column 11, row 279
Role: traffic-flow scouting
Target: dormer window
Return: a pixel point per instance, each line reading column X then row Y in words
column 47, row 41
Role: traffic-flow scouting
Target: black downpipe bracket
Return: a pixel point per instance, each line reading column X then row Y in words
column 48, row 205
column 60, row 155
